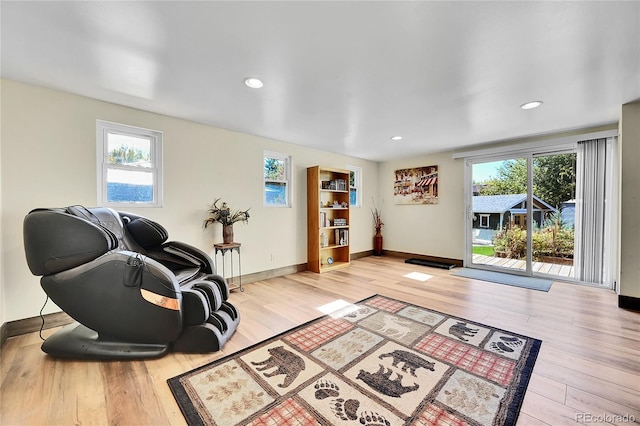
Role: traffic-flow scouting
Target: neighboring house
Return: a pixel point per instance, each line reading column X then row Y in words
column 569, row 213
column 494, row 212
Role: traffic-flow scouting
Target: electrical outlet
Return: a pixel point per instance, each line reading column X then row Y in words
column 273, row 257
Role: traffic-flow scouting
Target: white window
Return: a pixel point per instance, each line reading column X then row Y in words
column 277, row 179
column 129, row 166
column 484, row 221
column 355, row 183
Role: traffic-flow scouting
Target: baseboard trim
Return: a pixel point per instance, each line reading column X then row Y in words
column 292, row 269
column 403, row 255
column 272, row 273
column 29, row 325
column 628, row 302
column 360, row 255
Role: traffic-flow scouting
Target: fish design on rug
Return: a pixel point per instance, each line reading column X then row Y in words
column 286, row 363
column 381, row 382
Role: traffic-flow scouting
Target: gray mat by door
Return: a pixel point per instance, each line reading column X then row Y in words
column 502, row 278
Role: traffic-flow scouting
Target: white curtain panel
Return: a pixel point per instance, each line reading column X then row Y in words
column 593, row 257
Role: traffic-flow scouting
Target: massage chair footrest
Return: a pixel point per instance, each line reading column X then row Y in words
column 210, row 336
column 75, row 341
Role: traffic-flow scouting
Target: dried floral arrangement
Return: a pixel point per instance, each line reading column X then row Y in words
column 377, row 218
column 225, row 215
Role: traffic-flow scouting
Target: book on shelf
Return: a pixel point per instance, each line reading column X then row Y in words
column 335, row 184
column 342, row 237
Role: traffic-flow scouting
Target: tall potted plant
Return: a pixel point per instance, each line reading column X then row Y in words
column 377, row 226
column 227, row 218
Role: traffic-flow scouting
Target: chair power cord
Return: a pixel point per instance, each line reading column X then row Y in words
column 42, row 318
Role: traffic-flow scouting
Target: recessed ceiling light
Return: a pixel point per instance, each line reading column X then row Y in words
column 254, row 83
column 531, row 105
column 396, row 138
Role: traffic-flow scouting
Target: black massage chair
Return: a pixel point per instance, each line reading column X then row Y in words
column 134, row 294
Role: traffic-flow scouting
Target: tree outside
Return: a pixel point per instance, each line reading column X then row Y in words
column 128, row 155
column 554, row 178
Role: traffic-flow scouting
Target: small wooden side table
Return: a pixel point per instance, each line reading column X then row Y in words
column 223, row 249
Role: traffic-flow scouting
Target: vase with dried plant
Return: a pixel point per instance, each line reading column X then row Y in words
column 377, row 226
column 224, row 215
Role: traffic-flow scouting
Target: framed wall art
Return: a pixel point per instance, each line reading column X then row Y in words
column 418, row 185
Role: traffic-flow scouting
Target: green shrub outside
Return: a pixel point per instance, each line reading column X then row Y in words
column 511, row 243
column 554, row 240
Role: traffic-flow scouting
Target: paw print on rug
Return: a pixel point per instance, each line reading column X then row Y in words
column 370, row 418
column 326, row 388
column 345, row 409
column 506, row 344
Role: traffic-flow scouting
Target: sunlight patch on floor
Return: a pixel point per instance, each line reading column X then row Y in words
column 338, row 308
column 418, row 276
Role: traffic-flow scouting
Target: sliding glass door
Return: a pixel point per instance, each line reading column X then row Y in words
column 520, row 212
column 554, row 190
column 499, row 220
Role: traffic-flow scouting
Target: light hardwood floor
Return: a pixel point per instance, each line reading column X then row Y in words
column 589, row 362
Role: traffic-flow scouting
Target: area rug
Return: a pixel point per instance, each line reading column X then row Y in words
column 378, row 362
column 502, row 278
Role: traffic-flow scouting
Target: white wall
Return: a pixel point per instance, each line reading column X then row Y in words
column 2, row 298
column 49, row 160
column 433, row 230
column 629, row 281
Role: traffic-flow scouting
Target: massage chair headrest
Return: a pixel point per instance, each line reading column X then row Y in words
column 63, row 238
column 55, row 240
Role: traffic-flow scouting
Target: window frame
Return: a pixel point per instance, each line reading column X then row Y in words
column 357, row 171
column 287, row 181
column 103, row 129
column 484, row 218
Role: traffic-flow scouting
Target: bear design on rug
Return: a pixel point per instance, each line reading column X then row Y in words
column 380, row 382
column 411, row 361
column 460, row 330
column 287, row 363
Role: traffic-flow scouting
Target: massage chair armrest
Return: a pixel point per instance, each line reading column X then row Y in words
column 55, row 241
column 191, row 254
column 152, row 236
column 123, row 295
column 147, row 233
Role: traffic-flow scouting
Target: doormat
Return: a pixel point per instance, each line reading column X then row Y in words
column 431, row 263
column 502, row 278
column 380, row 361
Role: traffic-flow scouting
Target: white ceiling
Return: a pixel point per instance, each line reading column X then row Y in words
column 340, row 76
